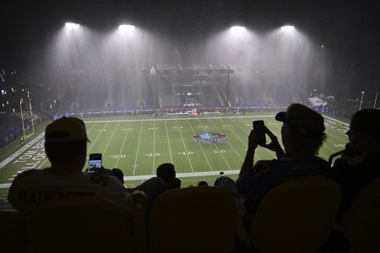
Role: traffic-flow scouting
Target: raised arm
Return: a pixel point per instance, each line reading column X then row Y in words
column 252, row 145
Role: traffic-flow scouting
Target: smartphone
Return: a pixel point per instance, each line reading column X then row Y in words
column 94, row 162
column 258, row 126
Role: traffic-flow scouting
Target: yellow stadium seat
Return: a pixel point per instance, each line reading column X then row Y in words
column 296, row 216
column 195, row 219
column 361, row 223
column 79, row 225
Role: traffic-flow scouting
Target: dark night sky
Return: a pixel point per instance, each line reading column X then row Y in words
column 349, row 29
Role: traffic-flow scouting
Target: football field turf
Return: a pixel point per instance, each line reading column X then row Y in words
column 138, row 144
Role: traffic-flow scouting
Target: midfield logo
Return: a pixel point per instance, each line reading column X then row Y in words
column 208, row 137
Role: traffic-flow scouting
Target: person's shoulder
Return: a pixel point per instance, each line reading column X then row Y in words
column 27, row 173
column 103, row 180
column 351, row 161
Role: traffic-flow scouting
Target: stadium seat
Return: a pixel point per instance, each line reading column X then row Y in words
column 13, row 234
column 79, row 225
column 296, row 216
column 361, row 223
column 139, row 203
column 195, row 219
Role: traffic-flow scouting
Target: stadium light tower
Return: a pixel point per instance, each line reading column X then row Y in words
column 126, row 28
column 238, row 28
column 72, row 25
column 287, row 28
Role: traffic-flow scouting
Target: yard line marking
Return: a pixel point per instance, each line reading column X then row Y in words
column 167, row 136
column 109, row 141
column 122, row 146
column 200, row 146
column 217, row 148
column 42, row 164
column 97, row 137
column 187, row 153
column 236, row 123
column 154, row 147
column 138, row 148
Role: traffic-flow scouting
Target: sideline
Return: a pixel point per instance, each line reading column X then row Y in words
column 178, row 119
column 179, row 175
column 182, row 175
column 21, row 150
column 341, row 122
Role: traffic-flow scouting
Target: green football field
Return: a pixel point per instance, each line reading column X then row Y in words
column 138, row 144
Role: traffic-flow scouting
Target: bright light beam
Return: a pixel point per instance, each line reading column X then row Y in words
column 287, row 28
column 72, row 25
column 126, row 27
column 238, row 28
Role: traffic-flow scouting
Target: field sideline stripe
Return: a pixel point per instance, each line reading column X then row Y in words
column 344, row 123
column 167, row 118
column 179, row 175
column 21, row 150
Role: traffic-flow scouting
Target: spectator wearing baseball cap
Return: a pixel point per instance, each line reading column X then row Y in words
column 359, row 164
column 66, row 148
column 304, row 128
column 302, row 135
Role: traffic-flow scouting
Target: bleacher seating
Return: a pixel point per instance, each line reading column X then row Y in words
column 361, row 222
column 79, row 225
column 296, row 216
column 13, row 233
column 195, row 219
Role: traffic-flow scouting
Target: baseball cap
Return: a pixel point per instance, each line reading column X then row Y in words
column 303, row 119
column 66, row 129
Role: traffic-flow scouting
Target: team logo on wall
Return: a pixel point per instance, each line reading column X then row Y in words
column 208, row 137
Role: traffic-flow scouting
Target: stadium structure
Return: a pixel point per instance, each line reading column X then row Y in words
column 163, row 90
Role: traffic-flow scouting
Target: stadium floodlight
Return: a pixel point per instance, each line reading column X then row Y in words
column 126, row 27
column 72, row 25
column 238, row 28
column 287, row 28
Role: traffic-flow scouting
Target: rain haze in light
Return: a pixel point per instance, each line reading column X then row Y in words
column 278, row 62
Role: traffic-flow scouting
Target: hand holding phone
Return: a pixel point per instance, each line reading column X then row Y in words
column 94, row 163
column 259, row 127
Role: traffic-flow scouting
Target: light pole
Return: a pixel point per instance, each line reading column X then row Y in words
column 361, row 101
column 374, row 104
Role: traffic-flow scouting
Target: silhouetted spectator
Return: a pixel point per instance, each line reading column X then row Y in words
column 202, row 183
column 119, row 174
column 166, row 171
column 302, row 135
column 359, row 164
column 66, row 148
column 177, row 184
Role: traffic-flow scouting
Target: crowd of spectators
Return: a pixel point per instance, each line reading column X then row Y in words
column 302, row 134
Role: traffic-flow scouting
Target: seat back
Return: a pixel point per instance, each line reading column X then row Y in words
column 79, row 225
column 195, row 219
column 361, row 223
column 296, row 216
column 13, row 234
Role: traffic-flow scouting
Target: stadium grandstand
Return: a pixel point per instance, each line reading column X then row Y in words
column 162, row 90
